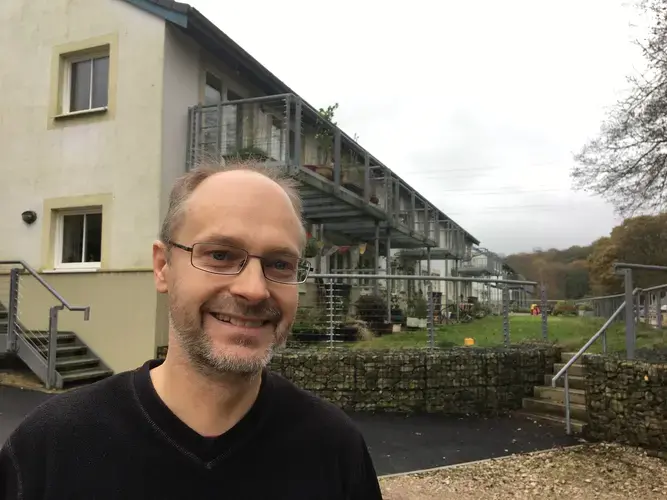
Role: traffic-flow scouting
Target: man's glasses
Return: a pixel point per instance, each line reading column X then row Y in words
column 224, row 259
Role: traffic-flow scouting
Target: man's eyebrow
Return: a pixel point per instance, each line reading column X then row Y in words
column 235, row 242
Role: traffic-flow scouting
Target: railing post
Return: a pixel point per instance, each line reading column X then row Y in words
column 543, row 310
column 330, row 307
column 658, row 309
column 336, row 157
column 568, row 423
column 367, row 178
column 52, row 347
column 506, row 316
column 629, row 316
column 431, row 332
column 12, row 312
column 295, row 161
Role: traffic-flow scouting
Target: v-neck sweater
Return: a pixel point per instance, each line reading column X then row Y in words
column 117, row 439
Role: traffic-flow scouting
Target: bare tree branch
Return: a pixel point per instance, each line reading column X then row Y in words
column 627, row 162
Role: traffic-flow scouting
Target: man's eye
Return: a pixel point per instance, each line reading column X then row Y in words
column 219, row 255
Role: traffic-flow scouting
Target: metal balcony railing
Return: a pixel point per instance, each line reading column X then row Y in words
column 285, row 130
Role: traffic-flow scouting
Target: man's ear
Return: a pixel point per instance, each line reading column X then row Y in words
column 160, row 266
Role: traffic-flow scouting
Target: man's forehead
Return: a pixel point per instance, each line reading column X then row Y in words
column 245, row 207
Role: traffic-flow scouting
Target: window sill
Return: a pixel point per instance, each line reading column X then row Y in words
column 84, row 112
column 71, row 270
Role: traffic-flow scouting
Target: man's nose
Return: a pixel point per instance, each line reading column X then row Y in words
column 251, row 283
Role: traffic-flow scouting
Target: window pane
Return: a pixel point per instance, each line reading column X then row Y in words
column 72, row 239
column 213, row 90
column 80, row 86
column 93, row 238
column 100, row 82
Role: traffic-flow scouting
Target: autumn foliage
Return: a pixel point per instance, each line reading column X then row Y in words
column 579, row 271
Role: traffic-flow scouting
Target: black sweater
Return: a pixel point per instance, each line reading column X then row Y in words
column 117, row 439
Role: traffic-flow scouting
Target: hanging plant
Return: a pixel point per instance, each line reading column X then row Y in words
column 311, row 249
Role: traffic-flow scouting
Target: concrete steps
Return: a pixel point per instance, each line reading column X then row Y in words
column 548, row 403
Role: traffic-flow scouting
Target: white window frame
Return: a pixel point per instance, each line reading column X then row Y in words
column 67, row 81
column 60, row 221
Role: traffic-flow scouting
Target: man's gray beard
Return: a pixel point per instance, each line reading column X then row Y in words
column 199, row 349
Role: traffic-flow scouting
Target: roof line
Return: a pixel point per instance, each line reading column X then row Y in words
column 186, row 16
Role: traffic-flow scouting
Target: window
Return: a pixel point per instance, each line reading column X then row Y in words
column 212, row 90
column 86, row 83
column 79, row 239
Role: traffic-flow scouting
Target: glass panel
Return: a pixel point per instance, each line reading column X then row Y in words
column 72, row 239
column 80, row 85
column 93, row 238
column 100, row 82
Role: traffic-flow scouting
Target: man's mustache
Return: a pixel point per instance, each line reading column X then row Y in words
column 232, row 306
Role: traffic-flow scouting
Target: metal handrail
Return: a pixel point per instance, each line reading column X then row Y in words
column 63, row 302
column 563, row 371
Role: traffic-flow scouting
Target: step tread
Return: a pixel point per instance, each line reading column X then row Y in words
column 571, row 377
column 40, row 335
column 550, row 402
column 84, row 374
column 73, row 361
column 64, row 348
column 582, row 392
column 573, row 365
column 553, row 419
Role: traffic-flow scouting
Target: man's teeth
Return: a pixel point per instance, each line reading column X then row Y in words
column 237, row 322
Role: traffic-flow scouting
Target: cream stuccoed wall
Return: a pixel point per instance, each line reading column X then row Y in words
column 114, row 156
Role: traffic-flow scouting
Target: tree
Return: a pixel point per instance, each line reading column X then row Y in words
column 601, row 273
column 627, row 162
column 640, row 240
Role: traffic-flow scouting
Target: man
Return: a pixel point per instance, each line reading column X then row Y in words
column 210, row 421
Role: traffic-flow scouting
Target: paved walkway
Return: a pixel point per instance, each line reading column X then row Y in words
column 397, row 443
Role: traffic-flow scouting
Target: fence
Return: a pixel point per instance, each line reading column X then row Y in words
column 633, row 307
column 339, row 308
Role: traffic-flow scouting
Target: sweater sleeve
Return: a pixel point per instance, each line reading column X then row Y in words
column 362, row 481
column 10, row 478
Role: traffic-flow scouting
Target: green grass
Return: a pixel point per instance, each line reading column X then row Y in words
column 569, row 332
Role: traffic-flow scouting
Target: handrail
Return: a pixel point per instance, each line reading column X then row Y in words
column 590, row 342
column 63, row 302
column 563, row 371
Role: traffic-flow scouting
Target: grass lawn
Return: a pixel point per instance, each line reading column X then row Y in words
column 570, row 332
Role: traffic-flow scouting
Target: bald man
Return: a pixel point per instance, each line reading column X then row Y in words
column 210, row 421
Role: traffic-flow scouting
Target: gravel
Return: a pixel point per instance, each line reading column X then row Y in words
column 590, row 471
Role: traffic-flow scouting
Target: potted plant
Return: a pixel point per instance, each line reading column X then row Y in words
column 311, row 249
column 325, row 140
column 248, row 153
column 372, row 310
column 586, row 310
column 417, row 313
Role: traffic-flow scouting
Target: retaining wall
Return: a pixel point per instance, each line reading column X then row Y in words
column 627, row 401
column 449, row 381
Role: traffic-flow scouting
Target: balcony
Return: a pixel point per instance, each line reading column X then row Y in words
column 342, row 185
column 482, row 263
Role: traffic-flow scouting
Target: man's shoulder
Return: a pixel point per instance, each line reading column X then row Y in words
column 76, row 408
column 305, row 407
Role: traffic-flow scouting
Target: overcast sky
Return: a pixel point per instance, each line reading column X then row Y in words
column 478, row 105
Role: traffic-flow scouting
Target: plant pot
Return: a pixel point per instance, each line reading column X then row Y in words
column 412, row 322
column 326, row 172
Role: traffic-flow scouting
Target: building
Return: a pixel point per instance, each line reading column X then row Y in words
column 104, row 104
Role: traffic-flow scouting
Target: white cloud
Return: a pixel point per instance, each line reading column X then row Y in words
column 478, row 105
